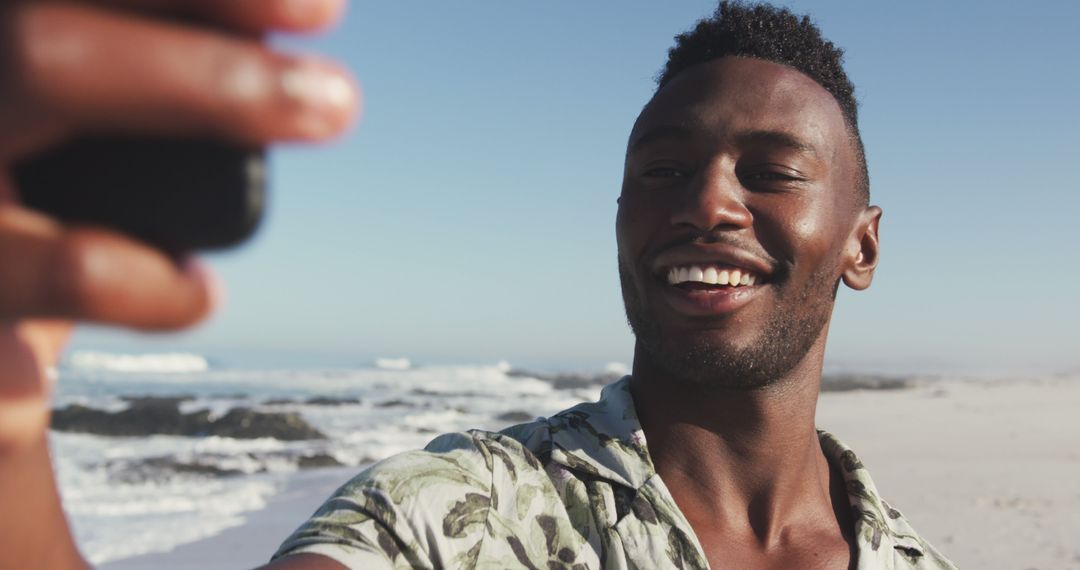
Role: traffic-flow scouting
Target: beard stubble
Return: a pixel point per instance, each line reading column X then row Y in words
column 794, row 325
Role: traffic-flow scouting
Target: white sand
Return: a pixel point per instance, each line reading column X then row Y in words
column 989, row 472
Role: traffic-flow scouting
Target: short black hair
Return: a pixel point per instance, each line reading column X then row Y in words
column 763, row 31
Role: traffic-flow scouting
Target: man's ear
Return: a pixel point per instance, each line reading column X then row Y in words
column 862, row 250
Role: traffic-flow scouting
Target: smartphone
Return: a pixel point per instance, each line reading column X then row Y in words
column 179, row 195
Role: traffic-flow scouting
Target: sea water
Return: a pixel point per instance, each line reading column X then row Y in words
column 127, row 496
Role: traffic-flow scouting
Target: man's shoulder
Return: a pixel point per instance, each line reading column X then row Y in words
column 430, row 507
column 590, row 429
column 473, row 495
column 466, row 459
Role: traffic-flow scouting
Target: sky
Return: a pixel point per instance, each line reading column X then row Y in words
column 469, row 218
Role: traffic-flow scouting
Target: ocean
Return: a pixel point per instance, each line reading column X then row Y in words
column 173, row 448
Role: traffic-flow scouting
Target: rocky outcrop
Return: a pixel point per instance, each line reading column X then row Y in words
column 516, row 416
column 163, row 416
column 328, row 401
column 568, row 381
column 317, row 461
column 243, row 423
column 314, row 401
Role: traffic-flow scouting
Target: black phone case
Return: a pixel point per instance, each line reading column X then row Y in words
column 177, row 194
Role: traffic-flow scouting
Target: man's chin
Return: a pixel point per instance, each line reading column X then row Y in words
column 703, row 362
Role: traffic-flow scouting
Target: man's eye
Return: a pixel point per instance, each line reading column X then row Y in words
column 769, row 176
column 664, row 172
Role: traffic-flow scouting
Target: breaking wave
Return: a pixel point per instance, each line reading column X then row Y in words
column 167, row 363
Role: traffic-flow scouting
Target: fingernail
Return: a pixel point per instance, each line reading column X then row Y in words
column 326, row 98
column 318, row 86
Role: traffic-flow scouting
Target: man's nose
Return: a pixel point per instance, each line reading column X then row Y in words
column 713, row 200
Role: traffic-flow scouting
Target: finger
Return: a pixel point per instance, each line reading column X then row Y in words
column 24, row 389
column 246, row 15
column 27, row 350
column 52, row 271
column 89, row 70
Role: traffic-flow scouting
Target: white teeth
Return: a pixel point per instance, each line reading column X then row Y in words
column 710, row 275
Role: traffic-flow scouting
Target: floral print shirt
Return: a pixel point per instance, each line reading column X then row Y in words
column 575, row 491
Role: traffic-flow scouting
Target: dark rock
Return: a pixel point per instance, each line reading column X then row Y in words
column 423, row 392
column 318, row 460
column 164, row 468
column 314, row 401
column 395, row 404
column 157, row 401
column 439, row 394
column 280, row 401
column 568, row 381
column 325, row 401
column 244, row 423
column 849, row 382
column 516, row 416
column 159, row 418
column 233, row 396
column 571, row 381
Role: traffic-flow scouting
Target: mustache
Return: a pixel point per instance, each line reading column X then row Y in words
column 699, row 237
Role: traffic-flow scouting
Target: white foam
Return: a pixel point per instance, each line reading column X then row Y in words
column 393, row 363
column 105, row 514
column 617, row 368
column 169, row 363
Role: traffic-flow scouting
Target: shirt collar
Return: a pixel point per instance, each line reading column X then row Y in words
column 603, row 438
column 877, row 523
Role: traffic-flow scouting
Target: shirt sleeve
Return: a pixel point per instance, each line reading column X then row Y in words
column 421, row 509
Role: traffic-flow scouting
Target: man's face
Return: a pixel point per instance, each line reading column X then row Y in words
column 739, row 169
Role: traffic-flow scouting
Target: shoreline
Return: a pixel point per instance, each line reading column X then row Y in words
column 986, row 471
column 252, row 543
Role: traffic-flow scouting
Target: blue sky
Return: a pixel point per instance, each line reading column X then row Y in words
column 469, row 217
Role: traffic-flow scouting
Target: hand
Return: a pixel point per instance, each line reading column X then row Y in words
column 123, row 66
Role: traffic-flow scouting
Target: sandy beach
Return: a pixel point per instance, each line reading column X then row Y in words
column 251, row 544
column 988, row 471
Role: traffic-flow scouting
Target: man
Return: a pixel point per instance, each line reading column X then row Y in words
column 744, row 205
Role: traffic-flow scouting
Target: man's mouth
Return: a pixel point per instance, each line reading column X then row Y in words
column 710, row 276
column 710, row 279
column 709, row 290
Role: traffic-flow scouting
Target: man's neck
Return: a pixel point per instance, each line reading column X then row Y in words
column 741, row 463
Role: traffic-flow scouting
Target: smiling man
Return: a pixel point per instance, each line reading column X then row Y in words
column 744, row 206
